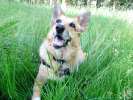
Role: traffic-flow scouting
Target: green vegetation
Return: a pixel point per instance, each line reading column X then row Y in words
column 119, row 4
column 107, row 74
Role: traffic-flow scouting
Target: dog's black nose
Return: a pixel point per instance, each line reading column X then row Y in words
column 60, row 28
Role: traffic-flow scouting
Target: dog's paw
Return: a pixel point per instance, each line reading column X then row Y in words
column 36, row 98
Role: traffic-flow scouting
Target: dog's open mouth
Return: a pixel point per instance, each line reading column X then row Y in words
column 58, row 41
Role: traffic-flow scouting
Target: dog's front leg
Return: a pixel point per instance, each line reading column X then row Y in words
column 42, row 74
column 40, row 80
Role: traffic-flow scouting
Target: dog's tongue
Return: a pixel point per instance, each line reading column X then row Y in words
column 58, row 41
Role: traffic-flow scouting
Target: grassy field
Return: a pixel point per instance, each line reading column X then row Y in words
column 107, row 74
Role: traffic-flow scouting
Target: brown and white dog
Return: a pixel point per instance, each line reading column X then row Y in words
column 61, row 51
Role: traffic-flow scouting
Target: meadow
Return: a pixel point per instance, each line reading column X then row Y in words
column 107, row 73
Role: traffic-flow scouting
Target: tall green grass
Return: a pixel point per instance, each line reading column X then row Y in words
column 107, row 73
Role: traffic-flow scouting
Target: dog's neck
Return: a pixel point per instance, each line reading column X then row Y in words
column 60, row 53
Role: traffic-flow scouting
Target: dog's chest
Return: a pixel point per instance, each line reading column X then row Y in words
column 61, row 53
column 68, row 54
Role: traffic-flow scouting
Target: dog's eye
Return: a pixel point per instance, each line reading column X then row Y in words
column 72, row 25
column 58, row 21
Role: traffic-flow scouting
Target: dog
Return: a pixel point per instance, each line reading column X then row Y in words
column 60, row 52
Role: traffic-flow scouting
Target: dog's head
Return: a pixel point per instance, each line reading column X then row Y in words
column 65, row 28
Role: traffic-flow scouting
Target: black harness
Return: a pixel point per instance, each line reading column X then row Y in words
column 60, row 61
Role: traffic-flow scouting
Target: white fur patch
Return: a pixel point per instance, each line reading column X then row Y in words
column 36, row 98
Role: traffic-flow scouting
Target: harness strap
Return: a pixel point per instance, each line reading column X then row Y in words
column 60, row 61
column 45, row 63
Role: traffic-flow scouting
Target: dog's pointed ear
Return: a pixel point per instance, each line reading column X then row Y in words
column 83, row 20
column 57, row 11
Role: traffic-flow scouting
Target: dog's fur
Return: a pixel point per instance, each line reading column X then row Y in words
column 71, row 52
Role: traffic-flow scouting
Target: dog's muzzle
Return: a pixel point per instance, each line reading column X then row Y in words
column 61, row 37
column 59, row 42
